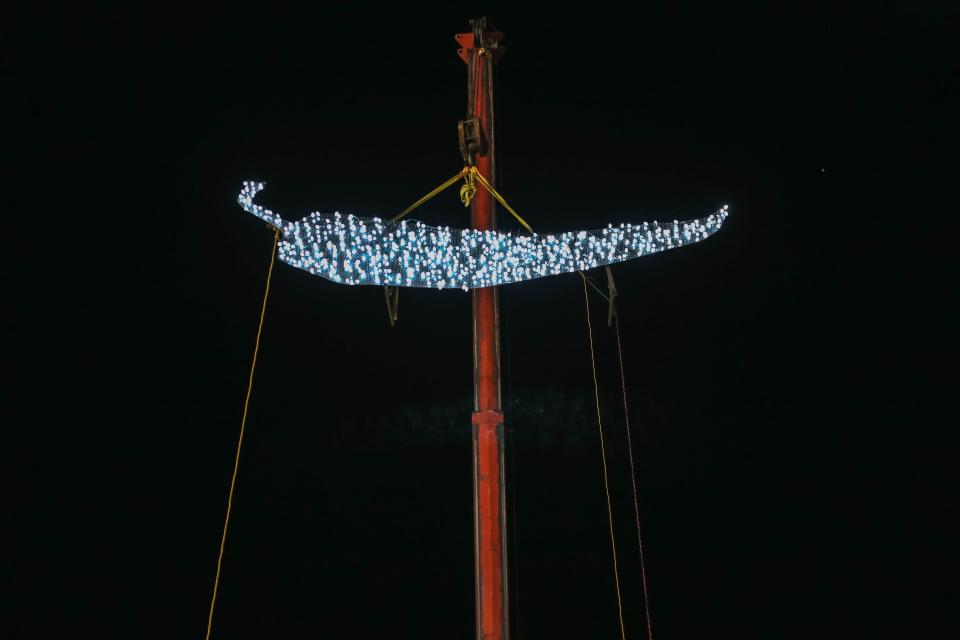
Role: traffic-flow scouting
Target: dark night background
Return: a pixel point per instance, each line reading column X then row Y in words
column 790, row 413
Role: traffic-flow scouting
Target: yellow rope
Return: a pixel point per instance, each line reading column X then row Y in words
column 443, row 186
column 468, row 190
column 243, row 426
column 603, row 455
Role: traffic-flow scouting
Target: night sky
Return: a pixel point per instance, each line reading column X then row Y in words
column 791, row 380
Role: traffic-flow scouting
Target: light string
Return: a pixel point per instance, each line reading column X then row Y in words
column 353, row 250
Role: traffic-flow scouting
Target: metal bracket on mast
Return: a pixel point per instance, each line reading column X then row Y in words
column 489, row 40
column 612, row 309
column 392, row 295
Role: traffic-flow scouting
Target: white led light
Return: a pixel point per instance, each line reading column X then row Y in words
column 353, row 250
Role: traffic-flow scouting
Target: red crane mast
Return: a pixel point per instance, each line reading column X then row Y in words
column 479, row 50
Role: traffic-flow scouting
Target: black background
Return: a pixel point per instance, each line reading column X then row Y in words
column 790, row 411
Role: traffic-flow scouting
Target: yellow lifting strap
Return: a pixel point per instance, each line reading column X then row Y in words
column 467, row 191
column 430, row 195
column 493, row 192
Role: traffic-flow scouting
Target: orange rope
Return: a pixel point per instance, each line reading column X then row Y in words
column 603, row 455
column 243, row 426
column 633, row 482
